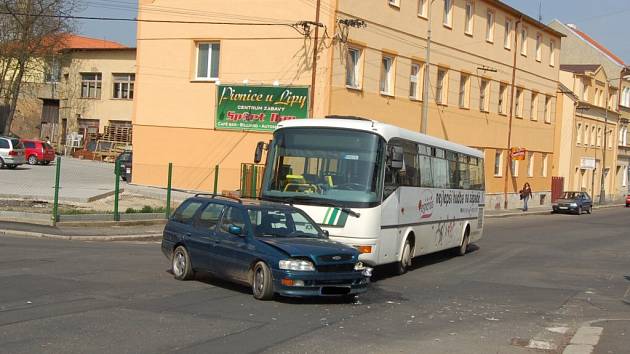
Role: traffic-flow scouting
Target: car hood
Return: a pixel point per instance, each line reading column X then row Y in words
column 310, row 247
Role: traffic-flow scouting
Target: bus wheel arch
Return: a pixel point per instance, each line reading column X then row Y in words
column 406, row 253
column 462, row 249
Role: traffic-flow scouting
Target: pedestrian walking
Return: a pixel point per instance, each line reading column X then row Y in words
column 525, row 193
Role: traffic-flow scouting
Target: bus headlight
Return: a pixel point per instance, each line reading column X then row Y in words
column 297, row 264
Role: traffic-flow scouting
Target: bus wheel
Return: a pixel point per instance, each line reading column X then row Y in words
column 405, row 260
column 463, row 248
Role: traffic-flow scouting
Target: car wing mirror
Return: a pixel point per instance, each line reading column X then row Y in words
column 235, row 230
column 326, row 233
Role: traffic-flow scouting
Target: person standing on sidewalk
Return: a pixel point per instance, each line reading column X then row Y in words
column 526, row 193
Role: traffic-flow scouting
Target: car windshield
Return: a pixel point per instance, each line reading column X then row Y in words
column 17, row 144
column 283, row 223
column 325, row 164
column 570, row 195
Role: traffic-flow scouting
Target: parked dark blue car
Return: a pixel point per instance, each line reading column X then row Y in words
column 573, row 202
column 274, row 248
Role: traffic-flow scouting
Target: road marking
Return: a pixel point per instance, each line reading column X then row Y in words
column 560, row 330
column 584, row 340
column 541, row 345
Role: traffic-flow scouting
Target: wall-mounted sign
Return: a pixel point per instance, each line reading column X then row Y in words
column 518, row 153
column 259, row 108
column 587, row 163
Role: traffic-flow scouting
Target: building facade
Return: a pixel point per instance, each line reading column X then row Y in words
column 586, row 138
column 578, row 48
column 371, row 61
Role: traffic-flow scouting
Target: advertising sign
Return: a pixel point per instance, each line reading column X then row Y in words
column 518, row 153
column 587, row 163
column 259, row 108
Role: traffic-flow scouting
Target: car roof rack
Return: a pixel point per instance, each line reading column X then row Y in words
column 213, row 196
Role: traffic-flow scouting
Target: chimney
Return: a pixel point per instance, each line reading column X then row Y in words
column 572, row 26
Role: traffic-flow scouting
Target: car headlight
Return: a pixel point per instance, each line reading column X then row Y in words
column 574, row 205
column 359, row 266
column 297, row 264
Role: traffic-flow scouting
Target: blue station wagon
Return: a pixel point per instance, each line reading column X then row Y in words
column 274, row 248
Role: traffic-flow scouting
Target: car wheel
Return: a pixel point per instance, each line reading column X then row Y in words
column 262, row 285
column 1, row 163
column 589, row 209
column 11, row 166
column 403, row 265
column 32, row 160
column 182, row 269
column 579, row 210
column 463, row 248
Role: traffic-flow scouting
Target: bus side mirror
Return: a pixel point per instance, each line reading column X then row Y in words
column 259, row 151
column 395, row 157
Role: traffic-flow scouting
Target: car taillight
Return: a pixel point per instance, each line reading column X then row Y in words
column 13, row 153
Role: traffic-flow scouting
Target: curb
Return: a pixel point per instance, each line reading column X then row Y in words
column 144, row 237
column 545, row 212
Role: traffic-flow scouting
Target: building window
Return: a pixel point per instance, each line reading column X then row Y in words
column 440, row 87
column 502, row 98
column 483, row 95
column 530, row 164
column 547, row 109
column 507, row 38
column 464, row 89
column 52, row 70
column 599, row 136
column 609, row 139
column 91, row 85
column 387, row 67
column 423, row 8
column 587, row 135
column 524, row 41
column 394, row 2
column 593, row 136
column 534, row 107
column 447, row 18
column 545, row 157
column 579, row 133
column 123, row 86
column 490, row 26
column 353, row 68
column 514, row 167
column 208, row 55
column 585, row 85
column 518, row 103
column 538, row 47
column 414, row 81
column 470, row 18
column 624, row 179
column 552, row 53
column 498, row 163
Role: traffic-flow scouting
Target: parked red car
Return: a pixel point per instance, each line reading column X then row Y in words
column 37, row 151
column 628, row 201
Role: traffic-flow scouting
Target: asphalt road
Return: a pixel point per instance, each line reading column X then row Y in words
column 531, row 281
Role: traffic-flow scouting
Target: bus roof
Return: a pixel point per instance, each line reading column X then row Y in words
column 387, row 131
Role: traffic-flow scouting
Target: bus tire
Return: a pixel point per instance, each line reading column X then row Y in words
column 403, row 265
column 463, row 248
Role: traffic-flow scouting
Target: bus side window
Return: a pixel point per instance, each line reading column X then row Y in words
column 391, row 182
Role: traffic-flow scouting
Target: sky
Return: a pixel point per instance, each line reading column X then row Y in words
column 604, row 20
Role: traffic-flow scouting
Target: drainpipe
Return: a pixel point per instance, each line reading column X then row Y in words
column 509, row 139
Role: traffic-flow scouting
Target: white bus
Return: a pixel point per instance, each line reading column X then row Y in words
column 392, row 193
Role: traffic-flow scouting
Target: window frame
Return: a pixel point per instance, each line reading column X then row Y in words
column 484, row 95
column 524, row 36
column 518, row 102
column 502, row 103
column 387, row 76
column 533, row 106
column 548, row 109
column 129, row 82
column 530, row 163
column 464, row 96
column 208, row 76
column 544, row 165
column 539, row 39
column 507, row 40
column 498, row 168
column 423, row 8
column 447, row 16
column 416, row 95
column 394, row 3
column 442, row 86
column 469, row 18
column 490, row 26
column 552, row 53
column 98, row 85
column 358, row 69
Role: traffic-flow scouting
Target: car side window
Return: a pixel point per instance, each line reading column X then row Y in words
column 232, row 216
column 209, row 217
column 4, row 144
column 186, row 212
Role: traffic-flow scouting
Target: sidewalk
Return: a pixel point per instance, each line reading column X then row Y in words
column 83, row 233
column 501, row 213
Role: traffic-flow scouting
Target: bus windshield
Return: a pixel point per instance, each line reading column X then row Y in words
column 325, row 166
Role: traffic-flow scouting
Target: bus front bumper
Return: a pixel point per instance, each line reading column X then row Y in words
column 368, row 248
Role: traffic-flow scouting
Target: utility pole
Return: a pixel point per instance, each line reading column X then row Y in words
column 602, row 187
column 509, row 137
column 427, row 71
column 311, row 106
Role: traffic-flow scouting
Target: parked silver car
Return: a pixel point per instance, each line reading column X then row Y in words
column 11, row 152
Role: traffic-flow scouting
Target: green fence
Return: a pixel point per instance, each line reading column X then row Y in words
column 251, row 180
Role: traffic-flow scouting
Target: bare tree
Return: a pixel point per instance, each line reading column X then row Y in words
column 30, row 32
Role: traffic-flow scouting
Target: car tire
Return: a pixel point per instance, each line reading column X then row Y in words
column 180, row 263
column 1, row 163
column 579, row 210
column 349, row 299
column 11, row 166
column 262, row 283
column 589, row 210
column 463, row 248
column 32, row 160
column 403, row 265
